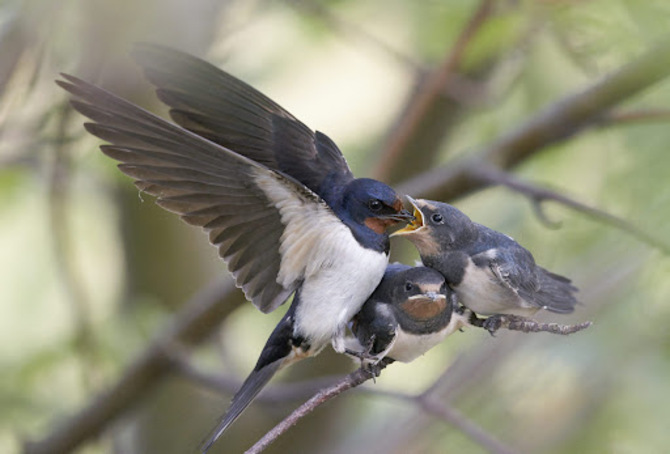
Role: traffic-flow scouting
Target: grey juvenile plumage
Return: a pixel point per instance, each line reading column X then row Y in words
column 490, row 272
column 410, row 312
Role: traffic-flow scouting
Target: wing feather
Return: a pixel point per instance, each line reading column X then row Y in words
column 209, row 186
column 213, row 104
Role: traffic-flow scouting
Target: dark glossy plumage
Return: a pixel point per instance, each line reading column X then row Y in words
column 227, row 111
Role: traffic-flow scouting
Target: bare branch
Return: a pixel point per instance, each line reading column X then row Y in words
column 555, row 123
column 453, row 417
column 525, row 325
column 198, row 319
column 229, row 384
column 493, row 175
column 352, row 380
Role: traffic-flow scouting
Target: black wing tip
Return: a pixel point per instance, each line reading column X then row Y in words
column 561, row 309
column 70, row 83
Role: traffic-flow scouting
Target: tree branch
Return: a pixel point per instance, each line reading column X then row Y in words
column 493, row 175
column 425, row 101
column 197, row 320
column 228, row 384
column 555, row 123
column 352, row 380
column 453, row 417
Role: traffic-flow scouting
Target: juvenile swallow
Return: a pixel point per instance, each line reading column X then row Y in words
column 410, row 312
column 490, row 272
column 277, row 199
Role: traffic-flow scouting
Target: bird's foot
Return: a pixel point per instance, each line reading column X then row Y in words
column 365, row 356
column 375, row 368
column 494, row 323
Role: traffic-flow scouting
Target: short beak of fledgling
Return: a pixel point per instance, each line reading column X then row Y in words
column 433, row 296
column 416, row 222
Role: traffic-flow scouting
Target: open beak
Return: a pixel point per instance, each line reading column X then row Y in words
column 415, row 224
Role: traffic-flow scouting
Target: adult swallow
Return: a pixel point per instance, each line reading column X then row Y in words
column 277, row 199
column 490, row 272
column 410, row 312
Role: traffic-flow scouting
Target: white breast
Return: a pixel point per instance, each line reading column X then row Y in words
column 317, row 249
column 482, row 292
column 408, row 347
column 336, row 289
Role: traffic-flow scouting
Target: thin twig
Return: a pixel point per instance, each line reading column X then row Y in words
column 352, row 380
column 456, row 419
column 525, row 325
column 493, row 175
column 347, row 30
column 229, row 384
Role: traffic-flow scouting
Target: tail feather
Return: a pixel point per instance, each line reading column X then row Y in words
column 556, row 293
column 277, row 352
column 249, row 390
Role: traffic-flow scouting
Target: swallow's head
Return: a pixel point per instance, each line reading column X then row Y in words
column 421, row 294
column 374, row 204
column 437, row 227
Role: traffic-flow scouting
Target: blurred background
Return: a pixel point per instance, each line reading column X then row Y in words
column 92, row 272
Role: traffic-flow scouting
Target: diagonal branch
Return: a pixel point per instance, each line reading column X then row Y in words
column 197, row 321
column 428, row 98
column 352, row 380
column 554, row 124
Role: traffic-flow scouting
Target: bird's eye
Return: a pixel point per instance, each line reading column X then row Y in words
column 375, row 205
column 437, row 218
column 408, row 286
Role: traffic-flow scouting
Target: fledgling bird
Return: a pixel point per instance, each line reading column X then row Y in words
column 277, row 199
column 411, row 311
column 490, row 272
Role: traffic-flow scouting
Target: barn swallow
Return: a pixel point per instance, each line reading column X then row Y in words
column 277, row 199
column 410, row 312
column 490, row 272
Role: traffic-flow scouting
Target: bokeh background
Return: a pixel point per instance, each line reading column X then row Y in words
column 92, row 273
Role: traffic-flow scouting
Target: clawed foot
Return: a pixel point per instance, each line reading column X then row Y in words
column 376, row 368
column 366, row 355
column 495, row 322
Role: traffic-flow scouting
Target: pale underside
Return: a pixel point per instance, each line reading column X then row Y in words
column 485, row 293
column 406, row 347
column 317, row 249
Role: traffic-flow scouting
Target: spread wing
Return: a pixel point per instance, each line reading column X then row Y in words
column 255, row 216
column 215, row 105
column 514, row 267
